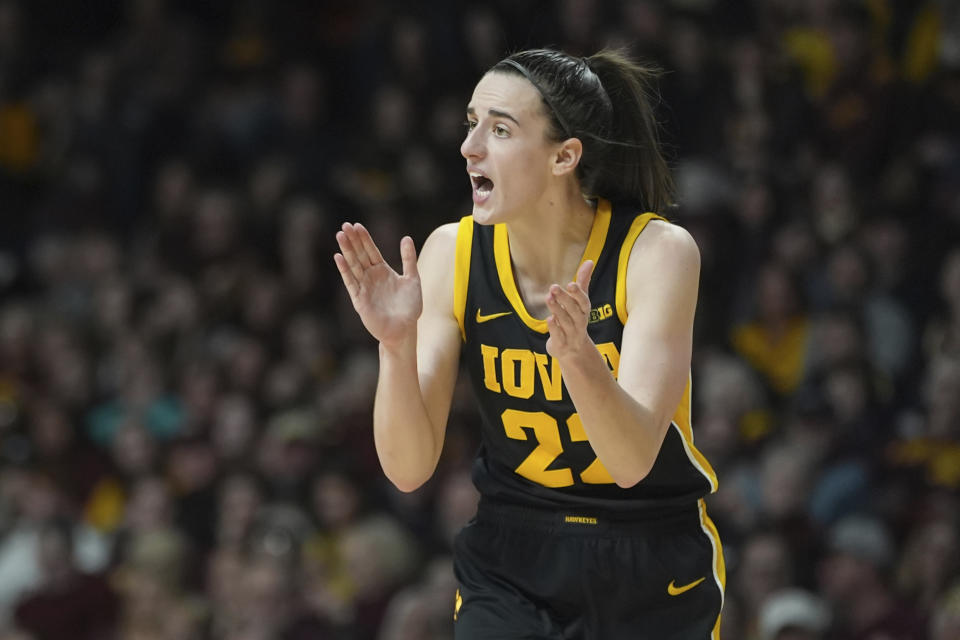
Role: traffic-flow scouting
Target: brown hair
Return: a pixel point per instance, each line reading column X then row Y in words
column 605, row 101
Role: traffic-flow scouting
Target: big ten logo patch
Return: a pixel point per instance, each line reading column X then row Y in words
column 601, row 313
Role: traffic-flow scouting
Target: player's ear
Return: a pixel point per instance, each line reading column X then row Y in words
column 567, row 156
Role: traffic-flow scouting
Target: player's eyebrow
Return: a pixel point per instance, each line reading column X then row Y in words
column 493, row 112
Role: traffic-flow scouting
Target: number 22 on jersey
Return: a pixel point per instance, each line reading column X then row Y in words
column 546, row 431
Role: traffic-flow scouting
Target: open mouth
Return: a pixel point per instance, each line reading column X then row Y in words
column 482, row 185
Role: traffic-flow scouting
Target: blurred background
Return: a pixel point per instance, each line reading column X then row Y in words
column 185, row 393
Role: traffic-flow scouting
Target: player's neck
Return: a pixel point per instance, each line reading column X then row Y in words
column 546, row 244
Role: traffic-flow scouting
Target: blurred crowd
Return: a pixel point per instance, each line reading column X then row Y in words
column 185, row 393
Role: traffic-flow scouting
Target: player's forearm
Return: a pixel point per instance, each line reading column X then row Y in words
column 404, row 435
column 625, row 435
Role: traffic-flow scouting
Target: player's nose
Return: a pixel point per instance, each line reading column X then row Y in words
column 472, row 146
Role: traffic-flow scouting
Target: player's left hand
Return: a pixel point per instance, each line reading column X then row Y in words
column 569, row 314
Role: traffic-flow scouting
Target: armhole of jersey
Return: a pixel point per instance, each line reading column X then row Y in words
column 461, row 271
column 625, row 250
column 682, row 415
column 682, row 420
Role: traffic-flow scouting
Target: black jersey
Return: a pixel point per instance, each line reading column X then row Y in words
column 534, row 449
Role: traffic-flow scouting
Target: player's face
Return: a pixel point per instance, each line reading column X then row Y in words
column 507, row 150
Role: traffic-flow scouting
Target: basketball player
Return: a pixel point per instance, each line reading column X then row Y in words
column 573, row 305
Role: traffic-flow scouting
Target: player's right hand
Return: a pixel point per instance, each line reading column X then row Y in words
column 387, row 302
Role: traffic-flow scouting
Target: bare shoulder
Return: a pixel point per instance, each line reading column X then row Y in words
column 441, row 243
column 664, row 265
column 435, row 264
column 663, row 244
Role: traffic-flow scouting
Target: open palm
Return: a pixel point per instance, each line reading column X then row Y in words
column 388, row 303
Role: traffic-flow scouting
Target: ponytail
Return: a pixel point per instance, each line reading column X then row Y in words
column 605, row 101
column 634, row 168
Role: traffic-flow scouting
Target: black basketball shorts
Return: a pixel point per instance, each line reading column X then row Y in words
column 535, row 575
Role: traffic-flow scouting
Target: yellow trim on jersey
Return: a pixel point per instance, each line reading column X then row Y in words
column 598, row 233
column 681, row 420
column 501, row 254
column 461, row 271
column 719, row 566
column 625, row 250
column 681, row 417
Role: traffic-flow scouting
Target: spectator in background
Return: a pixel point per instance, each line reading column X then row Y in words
column 887, row 326
column 794, row 614
column 946, row 618
column 32, row 502
column 66, row 602
column 764, row 566
column 855, row 579
column 155, row 604
column 419, row 611
column 239, row 500
column 930, row 562
column 775, row 340
column 943, row 331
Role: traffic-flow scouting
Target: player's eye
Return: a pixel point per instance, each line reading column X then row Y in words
column 501, row 131
column 470, row 124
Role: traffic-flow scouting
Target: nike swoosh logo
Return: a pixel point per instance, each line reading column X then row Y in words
column 482, row 318
column 674, row 590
